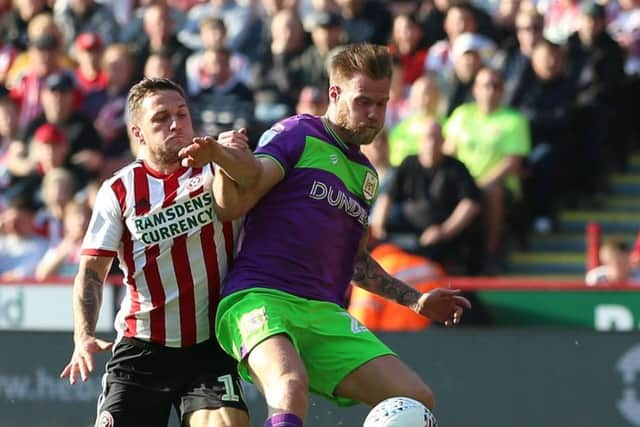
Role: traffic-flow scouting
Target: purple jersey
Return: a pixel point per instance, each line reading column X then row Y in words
column 302, row 237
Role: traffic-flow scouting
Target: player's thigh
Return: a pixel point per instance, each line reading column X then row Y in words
column 128, row 405
column 381, row 378
column 223, row 417
column 274, row 360
column 212, row 387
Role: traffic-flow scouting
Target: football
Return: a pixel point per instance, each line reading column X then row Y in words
column 400, row 412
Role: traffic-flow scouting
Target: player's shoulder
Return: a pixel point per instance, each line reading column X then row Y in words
column 300, row 124
column 124, row 171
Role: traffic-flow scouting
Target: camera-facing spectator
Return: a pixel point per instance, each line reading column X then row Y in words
column 91, row 78
column 82, row 16
column 14, row 23
column 61, row 260
column 60, row 108
column 225, row 103
column 57, row 189
column 20, row 247
column 616, row 267
column 327, row 34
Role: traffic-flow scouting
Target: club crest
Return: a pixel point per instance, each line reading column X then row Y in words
column 370, row 186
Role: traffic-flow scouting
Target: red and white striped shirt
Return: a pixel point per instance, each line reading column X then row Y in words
column 172, row 249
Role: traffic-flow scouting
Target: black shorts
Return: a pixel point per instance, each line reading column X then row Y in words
column 144, row 380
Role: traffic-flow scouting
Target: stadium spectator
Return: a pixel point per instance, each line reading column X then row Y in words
column 277, row 76
column 20, row 247
column 431, row 205
column 161, row 37
column 158, row 66
column 57, row 189
column 91, row 78
column 164, row 354
column 595, row 64
column 118, row 63
column 492, row 141
column 545, row 97
column 398, row 107
column 133, row 29
column 424, row 101
column 9, row 148
column 460, row 18
column 282, row 314
column 467, row 56
column 312, row 100
column 59, row 102
column 14, row 23
column 405, row 45
column 327, row 34
column 214, row 35
column 83, row 16
column 8, row 54
column 61, row 259
column 365, row 20
column 226, row 103
column 237, row 20
column 29, row 70
column 616, row 266
column 635, row 253
column 625, row 29
column 514, row 62
column 561, row 18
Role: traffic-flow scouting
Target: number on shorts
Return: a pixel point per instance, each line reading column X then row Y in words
column 230, row 392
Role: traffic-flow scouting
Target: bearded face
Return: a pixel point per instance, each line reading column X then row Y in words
column 360, row 108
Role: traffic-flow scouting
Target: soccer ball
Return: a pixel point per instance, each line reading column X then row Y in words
column 400, row 412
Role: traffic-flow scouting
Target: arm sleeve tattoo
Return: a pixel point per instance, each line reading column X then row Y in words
column 88, row 302
column 369, row 275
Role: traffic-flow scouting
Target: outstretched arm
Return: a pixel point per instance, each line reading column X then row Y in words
column 444, row 305
column 87, row 298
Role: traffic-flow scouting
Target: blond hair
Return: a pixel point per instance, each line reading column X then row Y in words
column 373, row 61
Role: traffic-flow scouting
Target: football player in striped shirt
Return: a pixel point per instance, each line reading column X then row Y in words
column 175, row 245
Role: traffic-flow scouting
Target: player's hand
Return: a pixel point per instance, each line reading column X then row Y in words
column 199, row 153
column 237, row 139
column 82, row 359
column 443, row 305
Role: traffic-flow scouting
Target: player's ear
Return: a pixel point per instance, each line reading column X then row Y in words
column 334, row 93
column 137, row 133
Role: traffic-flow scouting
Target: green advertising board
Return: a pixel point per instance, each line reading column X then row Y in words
column 602, row 310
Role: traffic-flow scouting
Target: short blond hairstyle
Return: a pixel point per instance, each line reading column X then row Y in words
column 373, row 61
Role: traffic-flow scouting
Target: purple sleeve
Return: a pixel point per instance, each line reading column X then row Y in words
column 283, row 142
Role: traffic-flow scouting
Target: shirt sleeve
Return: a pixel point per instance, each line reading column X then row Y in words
column 104, row 234
column 284, row 143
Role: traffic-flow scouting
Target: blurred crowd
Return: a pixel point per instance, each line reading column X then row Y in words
column 501, row 112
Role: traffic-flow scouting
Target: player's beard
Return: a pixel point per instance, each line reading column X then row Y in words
column 359, row 133
column 165, row 154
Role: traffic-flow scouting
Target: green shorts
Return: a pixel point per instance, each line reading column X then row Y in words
column 331, row 343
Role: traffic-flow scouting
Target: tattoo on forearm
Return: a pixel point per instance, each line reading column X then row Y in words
column 90, row 300
column 370, row 276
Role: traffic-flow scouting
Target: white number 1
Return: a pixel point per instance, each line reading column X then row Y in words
column 230, row 392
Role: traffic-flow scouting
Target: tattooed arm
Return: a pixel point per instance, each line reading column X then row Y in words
column 87, row 298
column 444, row 305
